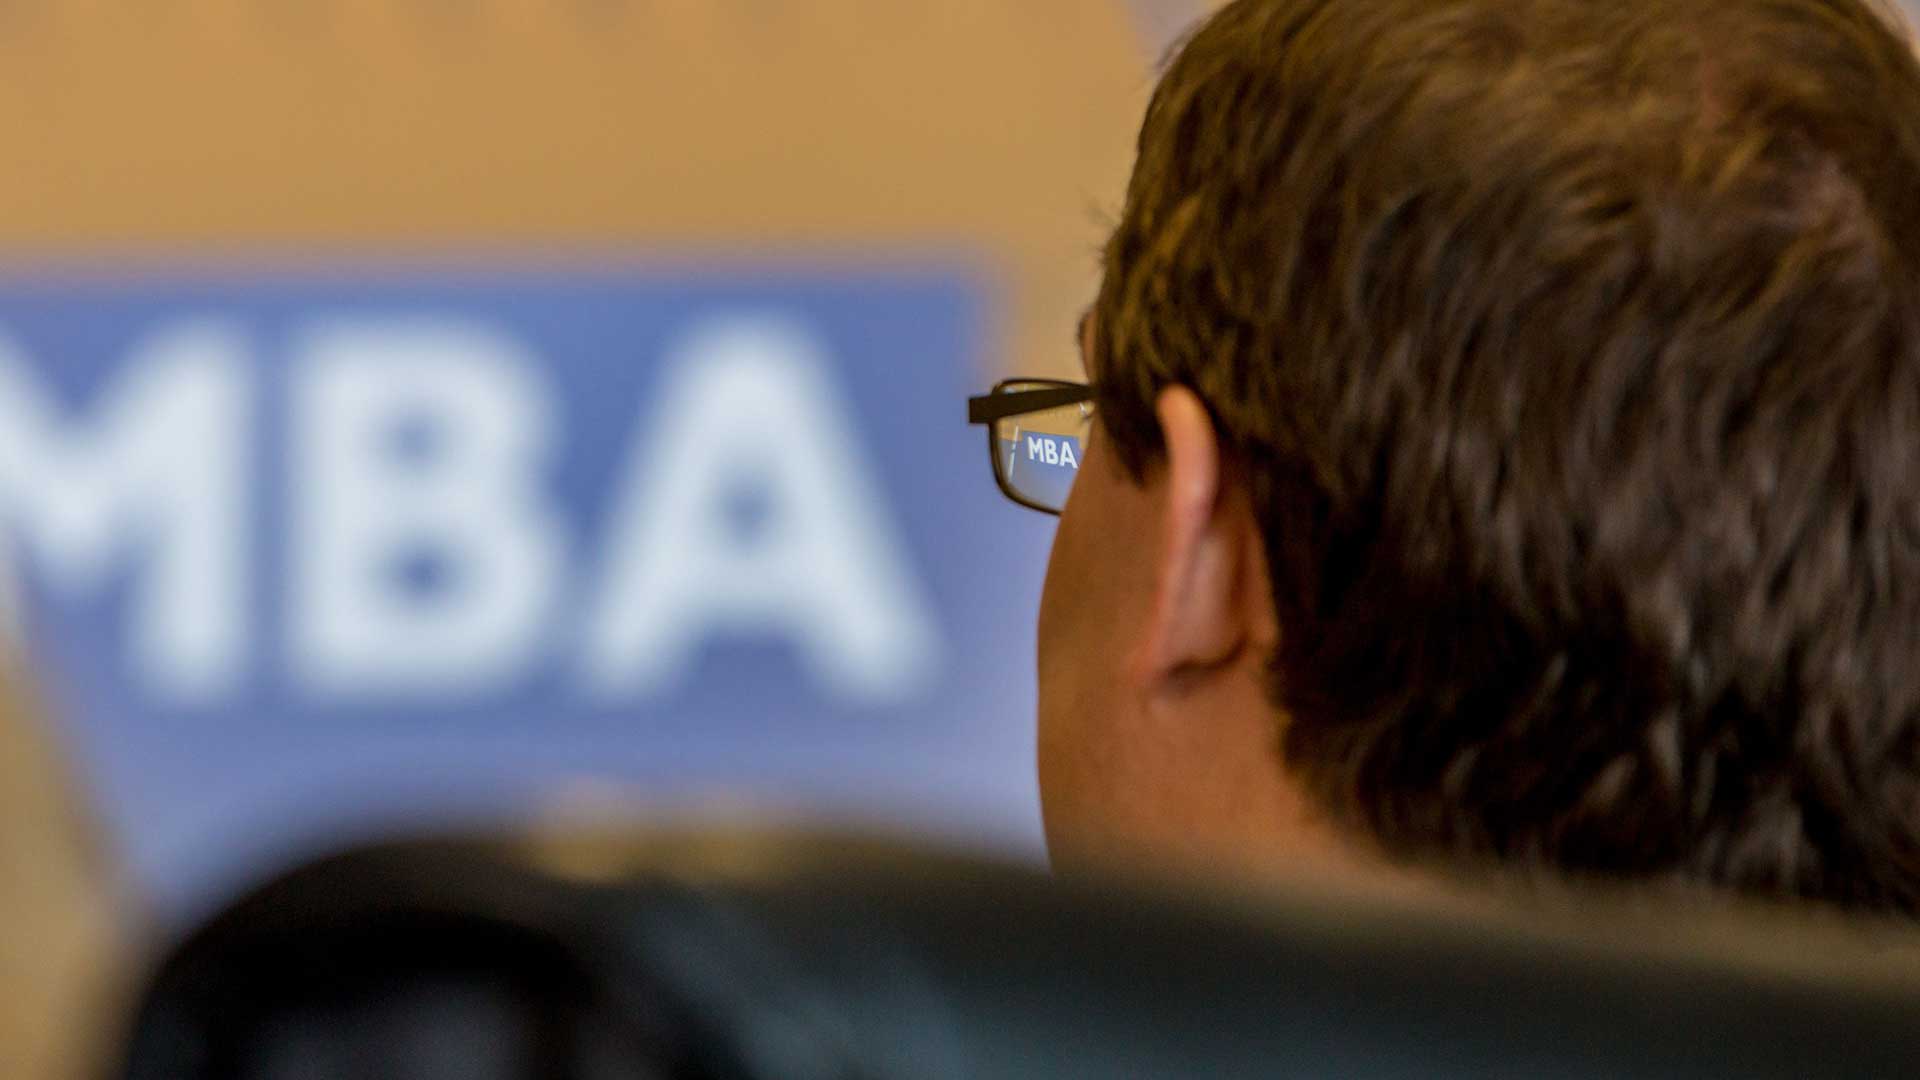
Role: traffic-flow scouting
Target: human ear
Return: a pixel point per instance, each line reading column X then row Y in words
column 1201, row 617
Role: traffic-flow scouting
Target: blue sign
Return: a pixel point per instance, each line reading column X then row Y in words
column 304, row 557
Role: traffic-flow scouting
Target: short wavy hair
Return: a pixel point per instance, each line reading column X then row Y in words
column 1571, row 351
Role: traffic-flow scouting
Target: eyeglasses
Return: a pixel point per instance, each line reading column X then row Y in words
column 1036, row 433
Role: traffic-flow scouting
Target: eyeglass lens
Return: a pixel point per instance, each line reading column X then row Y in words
column 1039, row 452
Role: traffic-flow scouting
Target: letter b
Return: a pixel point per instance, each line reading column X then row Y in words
column 419, row 443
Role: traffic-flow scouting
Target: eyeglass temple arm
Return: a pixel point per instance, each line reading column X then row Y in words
column 988, row 408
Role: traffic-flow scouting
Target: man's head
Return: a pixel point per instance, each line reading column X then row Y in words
column 1508, row 447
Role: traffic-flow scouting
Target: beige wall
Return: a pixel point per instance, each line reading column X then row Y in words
column 66, row 925
column 628, row 127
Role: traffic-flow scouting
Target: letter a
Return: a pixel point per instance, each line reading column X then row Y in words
column 748, row 409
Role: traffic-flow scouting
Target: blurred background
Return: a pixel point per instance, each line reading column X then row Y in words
column 445, row 412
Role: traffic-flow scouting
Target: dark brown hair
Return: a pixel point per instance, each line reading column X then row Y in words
column 1571, row 351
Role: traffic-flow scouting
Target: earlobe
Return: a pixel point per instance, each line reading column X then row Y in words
column 1199, row 618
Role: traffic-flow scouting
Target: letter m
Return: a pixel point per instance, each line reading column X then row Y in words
column 150, row 478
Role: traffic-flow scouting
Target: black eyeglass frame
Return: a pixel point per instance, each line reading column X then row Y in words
column 1000, row 404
